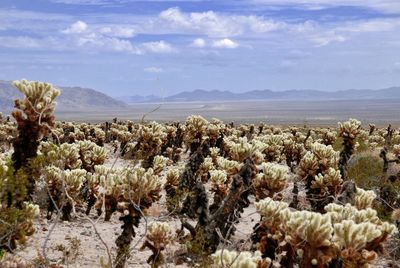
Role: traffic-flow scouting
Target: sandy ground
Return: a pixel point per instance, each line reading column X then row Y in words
column 92, row 249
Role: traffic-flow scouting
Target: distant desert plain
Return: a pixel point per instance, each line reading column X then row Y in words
column 290, row 112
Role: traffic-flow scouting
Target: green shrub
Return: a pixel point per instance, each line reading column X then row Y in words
column 366, row 170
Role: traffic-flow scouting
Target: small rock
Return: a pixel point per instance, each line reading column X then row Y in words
column 86, row 233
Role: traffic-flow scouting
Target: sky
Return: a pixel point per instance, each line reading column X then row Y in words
column 162, row 47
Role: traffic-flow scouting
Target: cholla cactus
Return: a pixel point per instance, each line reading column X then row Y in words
column 3, row 166
column 8, row 214
column 38, row 105
column 349, row 234
column 214, row 153
column 217, row 178
column 84, row 131
column 273, row 147
column 311, row 233
column 205, row 167
column 64, row 187
column 318, row 168
column 8, row 131
column 13, row 261
column 349, row 131
column 65, row 132
column 124, row 137
column 364, row 199
column 219, row 186
column 396, row 138
column 214, row 132
column 99, row 136
column 138, row 185
column 130, row 191
column 396, row 150
column 272, row 179
column 244, row 259
column 318, row 160
column 272, row 211
column 34, row 116
column 195, row 131
column 169, row 145
column 158, row 237
column 240, row 149
column 329, row 183
column 328, row 137
column 293, row 151
column 103, row 188
column 339, row 213
column 149, row 142
column 359, row 234
column 159, row 163
column 91, row 155
column 17, row 224
column 230, row 166
column 311, row 227
column 134, row 190
column 65, row 156
column 357, row 241
column 171, row 187
column 269, row 234
column 376, row 140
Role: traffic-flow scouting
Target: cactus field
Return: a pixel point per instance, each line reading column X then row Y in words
column 194, row 193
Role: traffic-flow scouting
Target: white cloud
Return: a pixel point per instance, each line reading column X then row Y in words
column 396, row 66
column 76, row 28
column 298, row 54
column 118, row 31
column 287, row 64
column 108, row 44
column 217, row 25
column 81, row 2
column 225, row 43
column 389, row 6
column 198, row 42
column 158, row 47
column 19, row 42
column 216, row 29
column 327, row 38
column 105, row 38
column 344, row 31
column 30, row 21
column 80, row 27
column 375, row 25
column 153, row 70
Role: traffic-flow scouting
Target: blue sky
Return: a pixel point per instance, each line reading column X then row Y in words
column 161, row 47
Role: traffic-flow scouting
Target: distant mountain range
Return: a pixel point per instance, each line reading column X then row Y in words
column 81, row 99
column 218, row 95
column 71, row 98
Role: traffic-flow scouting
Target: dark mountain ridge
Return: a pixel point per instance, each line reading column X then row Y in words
column 71, row 98
column 306, row 94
